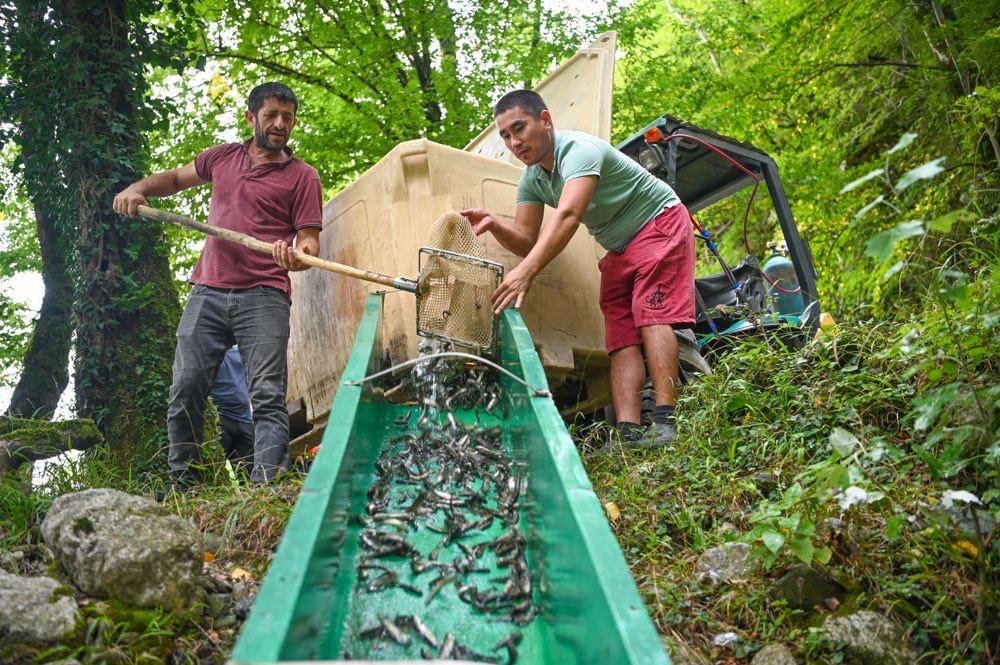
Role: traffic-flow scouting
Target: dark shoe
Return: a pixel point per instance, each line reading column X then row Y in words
column 623, row 435
column 658, row 435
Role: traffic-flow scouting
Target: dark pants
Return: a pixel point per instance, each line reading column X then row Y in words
column 214, row 320
column 237, row 442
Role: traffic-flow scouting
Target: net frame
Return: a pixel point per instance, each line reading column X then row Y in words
column 428, row 324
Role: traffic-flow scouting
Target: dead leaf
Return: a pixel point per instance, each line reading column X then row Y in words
column 209, row 557
column 240, row 575
column 614, row 512
column 966, row 546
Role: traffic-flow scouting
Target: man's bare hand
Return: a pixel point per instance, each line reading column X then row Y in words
column 513, row 288
column 128, row 201
column 481, row 220
column 287, row 256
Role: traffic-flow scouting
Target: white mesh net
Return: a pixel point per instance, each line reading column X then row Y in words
column 455, row 285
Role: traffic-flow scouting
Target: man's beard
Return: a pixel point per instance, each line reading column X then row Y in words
column 261, row 139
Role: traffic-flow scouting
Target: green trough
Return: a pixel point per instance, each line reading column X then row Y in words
column 310, row 607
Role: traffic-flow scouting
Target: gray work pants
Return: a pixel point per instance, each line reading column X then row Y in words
column 213, row 320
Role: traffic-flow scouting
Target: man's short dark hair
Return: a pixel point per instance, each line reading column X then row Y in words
column 528, row 101
column 271, row 90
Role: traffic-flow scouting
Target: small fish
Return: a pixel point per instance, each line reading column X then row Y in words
column 436, row 586
column 424, row 631
column 397, row 635
column 386, row 580
column 447, row 647
column 510, row 643
column 400, row 525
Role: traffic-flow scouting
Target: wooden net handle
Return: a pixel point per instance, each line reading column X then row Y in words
column 268, row 248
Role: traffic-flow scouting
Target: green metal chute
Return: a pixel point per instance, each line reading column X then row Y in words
column 589, row 608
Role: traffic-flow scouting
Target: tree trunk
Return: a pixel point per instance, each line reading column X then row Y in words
column 23, row 440
column 45, row 367
column 126, row 302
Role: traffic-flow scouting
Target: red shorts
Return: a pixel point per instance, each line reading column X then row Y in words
column 650, row 282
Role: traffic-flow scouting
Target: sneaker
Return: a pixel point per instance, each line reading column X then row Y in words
column 659, row 434
column 622, row 435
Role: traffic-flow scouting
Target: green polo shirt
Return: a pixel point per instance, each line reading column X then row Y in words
column 626, row 198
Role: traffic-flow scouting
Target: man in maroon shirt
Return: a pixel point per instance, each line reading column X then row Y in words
column 240, row 296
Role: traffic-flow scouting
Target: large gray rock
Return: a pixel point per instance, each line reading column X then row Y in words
column 32, row 609
column 724, row 563
column 869, row 638
column 115, row 545
column 773, row 654
column 804, row 588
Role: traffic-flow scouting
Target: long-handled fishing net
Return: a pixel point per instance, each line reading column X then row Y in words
column 453, row 289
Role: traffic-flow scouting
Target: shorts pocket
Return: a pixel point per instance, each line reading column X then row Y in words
column 664, row 223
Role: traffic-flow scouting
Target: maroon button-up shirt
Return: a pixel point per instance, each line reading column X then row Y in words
column 270, row 202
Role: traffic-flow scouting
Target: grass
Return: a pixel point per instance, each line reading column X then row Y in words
column 768, row 409
column 902, row 407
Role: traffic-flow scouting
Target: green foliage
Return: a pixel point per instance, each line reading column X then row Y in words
column 369, row 76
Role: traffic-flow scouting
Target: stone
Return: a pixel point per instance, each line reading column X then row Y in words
column 243, row 605
column 773, row 654
column 804, row 588
column 129, row 548
column 226, row 621
column 37, row 610
column 213, row 542
column 217, row 603
column 964, row 517
column 766, row 482
column 869, row 638
column 725, row 563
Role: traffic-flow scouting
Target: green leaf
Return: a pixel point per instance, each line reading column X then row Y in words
column 894, row 527
column 895, row 268
column 922, row 172
column 803, row 549
column 944, row 223
column 822, row 554
column 904, row 142
column 843, row 441
column 854, row 184
column 881, row 245
column 791, row 496
column 928, row 406
column 864, row 211
column 790, row 523
column 773, row 540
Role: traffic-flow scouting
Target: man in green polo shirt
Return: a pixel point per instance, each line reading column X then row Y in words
column 647, row 276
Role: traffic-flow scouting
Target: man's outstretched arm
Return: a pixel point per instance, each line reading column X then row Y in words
column 552, row 240
column 518, row 237
column 165, row 183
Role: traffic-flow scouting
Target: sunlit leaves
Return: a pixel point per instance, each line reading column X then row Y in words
column 868, row 208
column 882, row 245
column 854, row 184
column 928, row 406
column 843, row 441
column 922, row 172
column 904, row 142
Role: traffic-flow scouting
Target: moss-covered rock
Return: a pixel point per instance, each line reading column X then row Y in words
column 115, row 545
column 37, row 610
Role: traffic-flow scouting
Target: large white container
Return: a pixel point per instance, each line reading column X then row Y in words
column 381, row 220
